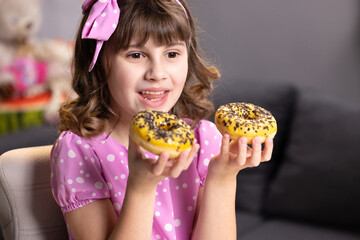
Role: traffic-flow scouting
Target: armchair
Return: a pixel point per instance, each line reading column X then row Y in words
column 27, row 208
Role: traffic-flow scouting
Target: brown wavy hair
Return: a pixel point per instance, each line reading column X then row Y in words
column 166, row 22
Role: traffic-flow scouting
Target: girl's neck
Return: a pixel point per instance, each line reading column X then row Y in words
column 118, row 128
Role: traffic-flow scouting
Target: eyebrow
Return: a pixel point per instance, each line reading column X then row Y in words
column 176, row 44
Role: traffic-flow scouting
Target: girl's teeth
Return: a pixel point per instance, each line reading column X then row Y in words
column 152, row 93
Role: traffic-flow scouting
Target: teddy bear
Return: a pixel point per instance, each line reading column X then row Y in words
column 28, row 65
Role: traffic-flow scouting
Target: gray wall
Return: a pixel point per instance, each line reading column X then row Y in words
column 60, row 18
column 313, row 43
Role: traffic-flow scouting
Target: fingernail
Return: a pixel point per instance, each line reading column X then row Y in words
column 269, row 139
column 197, row 147
column 257, row 140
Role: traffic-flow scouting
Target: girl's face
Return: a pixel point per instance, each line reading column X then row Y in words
column 148, row 77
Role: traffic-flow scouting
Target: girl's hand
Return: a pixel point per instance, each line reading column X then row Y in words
column 148, row 172
column 236, row 156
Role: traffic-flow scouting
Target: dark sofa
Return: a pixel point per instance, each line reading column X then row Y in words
column 311, row 187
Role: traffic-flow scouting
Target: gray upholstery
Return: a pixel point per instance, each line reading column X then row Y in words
column 29, row 137
column 320, row 182
column 286, row 230
column 27, row 208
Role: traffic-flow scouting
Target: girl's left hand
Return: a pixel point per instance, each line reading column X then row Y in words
column 236, row 155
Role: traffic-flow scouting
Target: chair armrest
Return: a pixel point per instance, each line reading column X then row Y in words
column 27, row 207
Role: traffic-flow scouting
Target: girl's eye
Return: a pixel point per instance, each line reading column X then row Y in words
column 135, row 55
column 172, row 54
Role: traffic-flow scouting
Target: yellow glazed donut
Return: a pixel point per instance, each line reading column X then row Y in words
column 159, row 132
column 245, row 119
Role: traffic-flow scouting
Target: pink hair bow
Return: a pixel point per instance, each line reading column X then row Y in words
column 101, row 23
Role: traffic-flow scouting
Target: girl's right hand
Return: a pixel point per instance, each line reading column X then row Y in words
column 146, row 173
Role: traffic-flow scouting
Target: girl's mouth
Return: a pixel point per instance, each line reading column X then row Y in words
column 152, row 95
column 153, row 99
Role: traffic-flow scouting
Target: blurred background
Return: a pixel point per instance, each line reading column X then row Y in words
column 313, row 43
column 60, row 18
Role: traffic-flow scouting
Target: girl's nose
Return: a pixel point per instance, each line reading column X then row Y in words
column 156, row 71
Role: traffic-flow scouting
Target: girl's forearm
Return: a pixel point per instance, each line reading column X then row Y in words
column 136, row 217
column 216, row 218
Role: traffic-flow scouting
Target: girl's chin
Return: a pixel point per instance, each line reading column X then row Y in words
column 161, row 109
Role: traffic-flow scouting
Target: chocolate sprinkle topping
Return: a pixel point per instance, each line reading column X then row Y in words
column 164, row 127
column 237, row 115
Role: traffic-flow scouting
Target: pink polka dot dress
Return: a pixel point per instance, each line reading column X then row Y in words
column 83, row 171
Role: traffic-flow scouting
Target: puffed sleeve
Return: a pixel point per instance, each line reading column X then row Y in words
column 76, row 175
column 209, row 139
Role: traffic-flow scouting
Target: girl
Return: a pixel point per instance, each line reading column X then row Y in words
column 134, row 55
